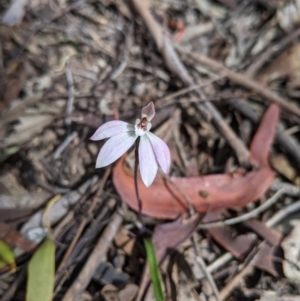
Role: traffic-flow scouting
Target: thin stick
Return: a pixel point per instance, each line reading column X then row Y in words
column 271, row 52
column 288, row 144
column 64, row 144
column 82, row 248
column 85, row 220
column 98, row 255
column 225, row 292
column 69, row 109
column 183, row 194
column 164, row 101
column 242, row 80
column 222, row 260
column 283, row 213
column 232, row 221
column 11, row 290
column 290, row 189
column 204, row 269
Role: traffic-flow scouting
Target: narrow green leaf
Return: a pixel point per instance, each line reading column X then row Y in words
column 7, row 256
column 41, row 272
column 154, row 270
column 8, row 152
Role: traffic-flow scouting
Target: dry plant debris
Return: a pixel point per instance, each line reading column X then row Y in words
column 218, row 73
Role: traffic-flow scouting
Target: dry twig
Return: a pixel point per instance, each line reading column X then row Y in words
column 242, row 218
column 204, row 269
column 288, row 144
column 85, row 219
column 242, row 80
column 69, row 108
column 266, row 56
column 98, row 255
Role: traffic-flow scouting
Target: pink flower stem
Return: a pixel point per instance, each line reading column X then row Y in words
column 136, row 165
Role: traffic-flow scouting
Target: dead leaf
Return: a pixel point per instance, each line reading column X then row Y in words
column 238, row 245
column 212, row 9
column 124, row 241
column 168, row 236
column 17, row 240
column 282, row 165
column 291, row 248
column 241, row 245
column 129, row 292
column 11, row 84
column 28, row 127
column 181, row 287
column 11, row 186
column 9, row 215
column 15, row 201
column 38, row 84
column 192, row 32
column 21, row 40
column 14, row 13
column 106, row 273
column 270, row 235
column 66, row 52
column 13, row 238
column 22, row 201
column 210, row 192
column 110, row 293
column 288, row 15
column 265, row 259
column 284, row 66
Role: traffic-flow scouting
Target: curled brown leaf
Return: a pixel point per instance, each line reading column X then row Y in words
column 162, row 200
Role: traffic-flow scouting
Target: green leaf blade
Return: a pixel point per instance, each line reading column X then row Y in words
column 154, row 270
column 41, row 273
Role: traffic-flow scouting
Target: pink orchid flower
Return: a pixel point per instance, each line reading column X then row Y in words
column 153, row 151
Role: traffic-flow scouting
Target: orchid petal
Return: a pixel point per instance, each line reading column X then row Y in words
column 148, row 164
column 114, row 148
column 148, row 111
column 162, row 152
column 112, row 128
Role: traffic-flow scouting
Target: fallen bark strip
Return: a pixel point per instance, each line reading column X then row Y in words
column 242, row 80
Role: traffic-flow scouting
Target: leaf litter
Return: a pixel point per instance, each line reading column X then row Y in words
column 212, row 68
